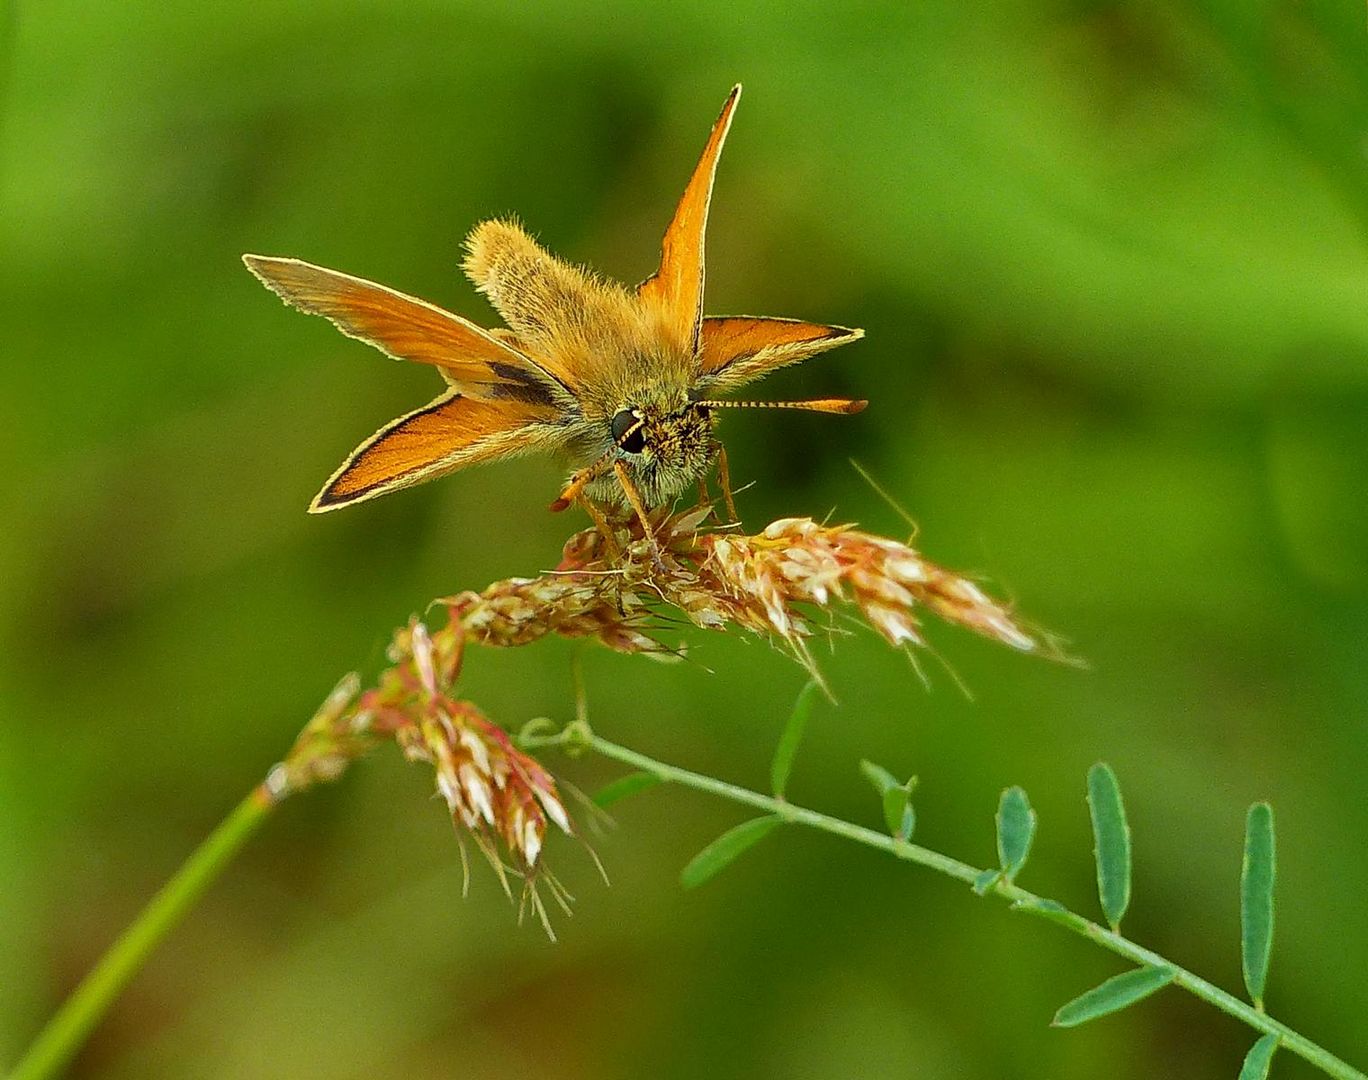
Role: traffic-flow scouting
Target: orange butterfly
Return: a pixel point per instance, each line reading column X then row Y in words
column 623, row 381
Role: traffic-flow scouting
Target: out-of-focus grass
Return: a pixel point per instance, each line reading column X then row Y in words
column 1111, row 263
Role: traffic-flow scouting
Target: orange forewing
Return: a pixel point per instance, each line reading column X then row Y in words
column 675, row 291
column 733, row 351
column 407, row 328
column 444, row 435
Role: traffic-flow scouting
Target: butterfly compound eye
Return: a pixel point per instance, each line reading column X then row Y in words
column 628, row 431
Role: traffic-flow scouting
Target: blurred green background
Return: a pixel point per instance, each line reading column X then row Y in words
column 1113, row 266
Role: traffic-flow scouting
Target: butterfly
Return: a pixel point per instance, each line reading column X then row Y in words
column 622, row 381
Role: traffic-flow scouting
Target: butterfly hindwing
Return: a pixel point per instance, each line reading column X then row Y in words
column 446, row 434
column 736, row 350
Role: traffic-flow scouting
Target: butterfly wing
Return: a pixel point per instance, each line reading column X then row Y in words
column 674, row 294
column 407, row 328
column 737, row 350
column 446, row 434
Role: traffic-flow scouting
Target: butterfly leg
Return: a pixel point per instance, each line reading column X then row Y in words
column 634, row 497
column 724, row 482
column 576, row 484
column 600, row 523
column 705, row 498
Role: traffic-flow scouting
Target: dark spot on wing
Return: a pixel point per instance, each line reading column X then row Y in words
column 519, row 384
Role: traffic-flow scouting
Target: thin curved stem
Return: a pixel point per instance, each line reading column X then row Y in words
column 64, row 1034
column 578, row 735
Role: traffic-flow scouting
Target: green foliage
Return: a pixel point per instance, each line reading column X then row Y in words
column 726, row 849
column 791, row 737
column 1112, row 842
column 895, row 797
column 1016, row 825
column 1050, row 910
column 1113, row 995
column 1016, row 828
column 624, row 787
column 1259, row 1059
column 1257, row 873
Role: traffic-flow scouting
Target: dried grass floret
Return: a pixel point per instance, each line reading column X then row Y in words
column 616, row 587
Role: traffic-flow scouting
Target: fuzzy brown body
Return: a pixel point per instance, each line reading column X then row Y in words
column 600, row 338
column 622, row 382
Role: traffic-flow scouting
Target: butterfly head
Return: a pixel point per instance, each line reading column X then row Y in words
column 661, row 438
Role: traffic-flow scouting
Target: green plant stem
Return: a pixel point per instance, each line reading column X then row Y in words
column 578, row 735
column 64, row 1034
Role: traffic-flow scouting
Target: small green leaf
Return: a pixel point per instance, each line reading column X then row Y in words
column 985, row 880
column 789, row 739
column 1256, row 899
column 1052, row 910
column 896, row 798
column 879, row 777
column 723, row 851
column 899, row 815
column 1259, row 1059
column 1111, row 836
column 1016, row 825
column 624, row 786
column 1113, row 995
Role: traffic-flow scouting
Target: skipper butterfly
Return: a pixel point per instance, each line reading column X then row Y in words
column 622, row 381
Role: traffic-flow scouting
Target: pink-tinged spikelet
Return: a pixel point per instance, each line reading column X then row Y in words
column 496, row 794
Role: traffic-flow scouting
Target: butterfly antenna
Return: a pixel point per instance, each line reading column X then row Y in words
column 843, row 406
